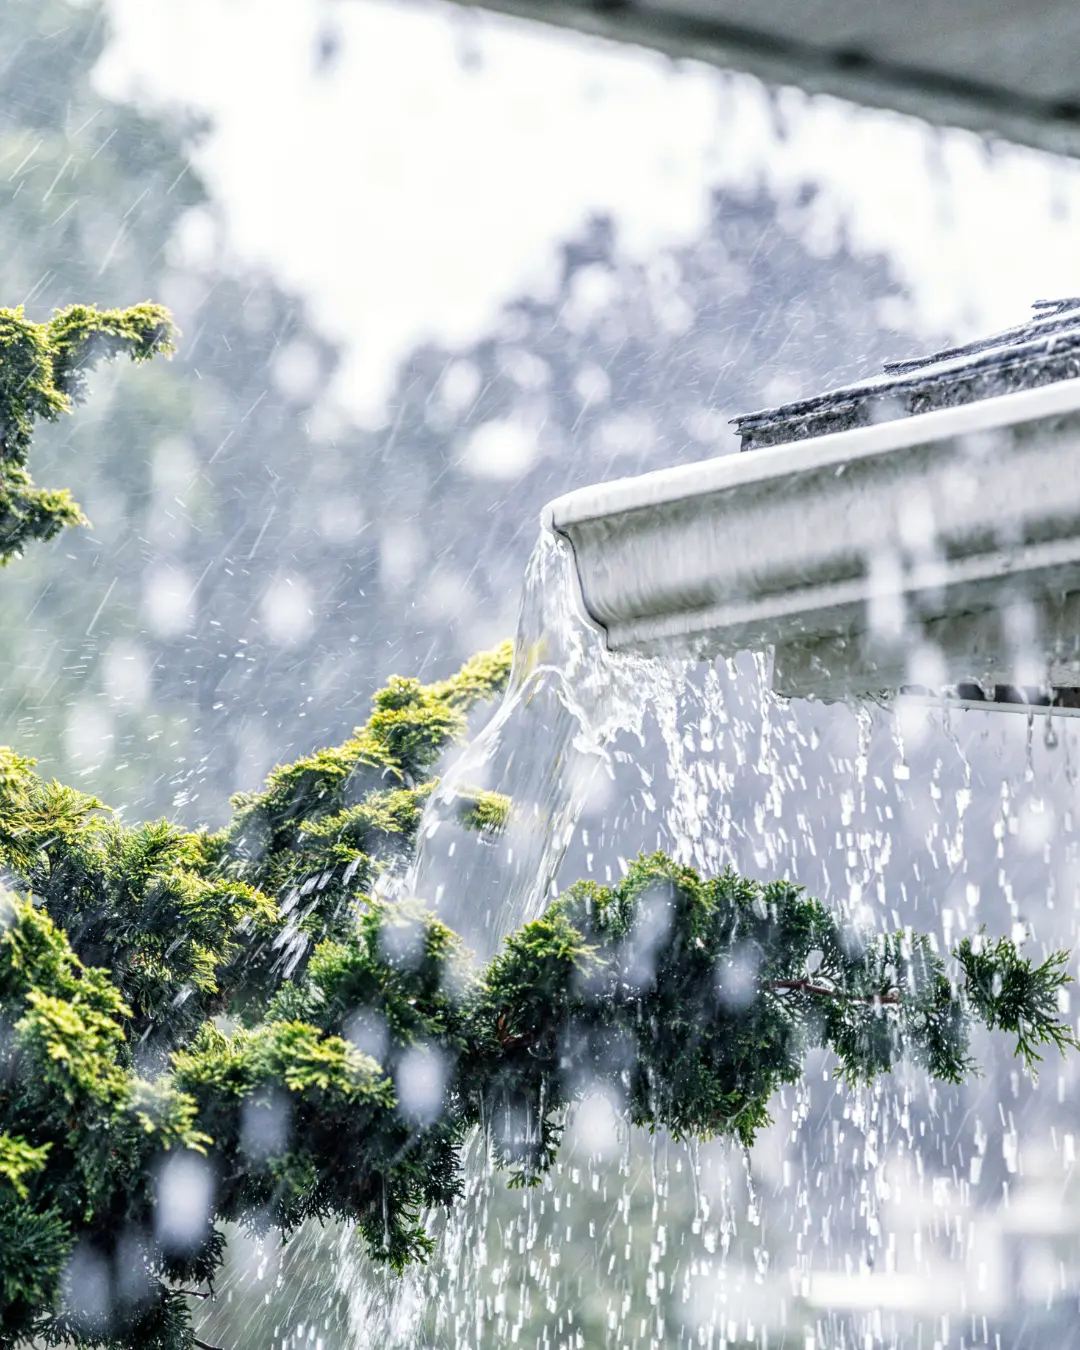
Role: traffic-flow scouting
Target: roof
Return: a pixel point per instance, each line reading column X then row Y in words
column 1042, row 351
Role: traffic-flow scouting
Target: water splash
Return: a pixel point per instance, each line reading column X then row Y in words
column 547, row 749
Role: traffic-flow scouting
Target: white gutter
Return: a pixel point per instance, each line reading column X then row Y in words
column 845, row 550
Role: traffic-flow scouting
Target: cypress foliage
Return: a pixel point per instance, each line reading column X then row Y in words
column 43, row 370
column 199, row 1028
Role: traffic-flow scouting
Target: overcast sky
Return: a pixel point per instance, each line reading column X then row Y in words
column 430, row 171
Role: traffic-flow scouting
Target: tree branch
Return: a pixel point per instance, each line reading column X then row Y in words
column 892, row 998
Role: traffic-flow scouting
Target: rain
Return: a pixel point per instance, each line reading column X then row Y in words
column 434, row 269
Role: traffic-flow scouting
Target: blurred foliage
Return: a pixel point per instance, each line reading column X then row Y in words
column 191, row 473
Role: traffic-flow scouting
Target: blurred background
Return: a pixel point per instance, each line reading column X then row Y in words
column 434, row 266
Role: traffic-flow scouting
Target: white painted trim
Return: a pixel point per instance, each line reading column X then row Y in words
column 952, row 512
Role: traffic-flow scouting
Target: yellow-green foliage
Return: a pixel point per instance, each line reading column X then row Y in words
column 19, row 1161
column 487, row 812
column 119, row 944
column 43, row 369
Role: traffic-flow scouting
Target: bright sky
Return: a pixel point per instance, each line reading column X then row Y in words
column 429, row 175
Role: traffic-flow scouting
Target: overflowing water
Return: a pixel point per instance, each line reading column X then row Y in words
column 906, row 1215
column 547, row 749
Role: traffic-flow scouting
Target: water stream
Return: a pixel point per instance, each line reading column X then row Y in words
column 910, row 1215
column 547, row 748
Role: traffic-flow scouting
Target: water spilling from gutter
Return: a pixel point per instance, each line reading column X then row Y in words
column 547, row 750
column 893, row 817
column 867, row 1219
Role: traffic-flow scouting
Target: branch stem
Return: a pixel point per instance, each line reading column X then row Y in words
column 892, row 998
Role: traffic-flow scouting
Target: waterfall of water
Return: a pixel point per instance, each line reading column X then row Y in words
column 546, row 748
column 899, row 1197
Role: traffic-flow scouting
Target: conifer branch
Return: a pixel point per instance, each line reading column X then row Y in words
column 43, row 370
column 690, row 1000
column 890, row 999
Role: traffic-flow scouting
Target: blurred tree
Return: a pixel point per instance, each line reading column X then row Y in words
column 256, row 563
column 629, row 366
column 194, row 478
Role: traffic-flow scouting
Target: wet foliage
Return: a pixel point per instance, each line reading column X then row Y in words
column 43, row 372
column 200, row 1028
column 137, row 968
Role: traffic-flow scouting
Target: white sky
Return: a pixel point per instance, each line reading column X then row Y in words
column 408, row 192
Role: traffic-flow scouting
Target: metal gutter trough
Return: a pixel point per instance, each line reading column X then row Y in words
column 915, row 534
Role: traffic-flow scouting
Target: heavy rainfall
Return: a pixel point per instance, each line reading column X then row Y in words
column 523, row 263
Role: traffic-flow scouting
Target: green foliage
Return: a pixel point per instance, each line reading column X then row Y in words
column 241, row 1017
column 694, row 1000
column 43, row 370
column 119, row 945
column 20, row 1160
column 43, row 373
column 245, row 1003
column 1008, row 992
column 90, row 1128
